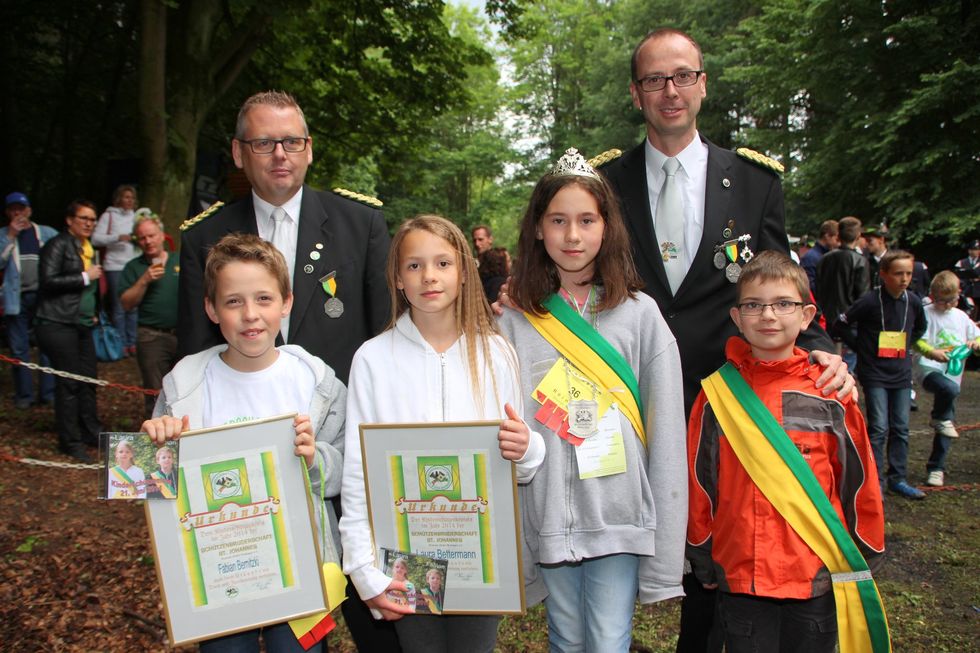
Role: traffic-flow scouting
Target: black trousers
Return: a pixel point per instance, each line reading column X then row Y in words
column 700, row 632
column 758, row 623
column 370, row 635
column 70, row 348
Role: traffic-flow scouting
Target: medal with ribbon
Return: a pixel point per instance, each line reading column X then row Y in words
column 333, row 307
column 727, row 255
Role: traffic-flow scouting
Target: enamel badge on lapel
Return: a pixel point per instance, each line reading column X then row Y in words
column 308, row 269
column 333, row 307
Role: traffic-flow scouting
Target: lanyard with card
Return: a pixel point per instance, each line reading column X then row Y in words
column 563, row 386
column 604, row 454
column 891, row 344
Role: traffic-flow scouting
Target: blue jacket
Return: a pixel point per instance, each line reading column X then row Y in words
column 10, row 262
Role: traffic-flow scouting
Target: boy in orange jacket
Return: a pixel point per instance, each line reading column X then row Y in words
column 775, row 591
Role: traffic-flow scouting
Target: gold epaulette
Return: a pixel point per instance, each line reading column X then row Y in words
column 605, row 157
column 358, row 197
column 200, row 217
column 761, row 159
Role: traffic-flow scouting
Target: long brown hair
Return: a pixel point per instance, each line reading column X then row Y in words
column 535, row 276
column 474, row 319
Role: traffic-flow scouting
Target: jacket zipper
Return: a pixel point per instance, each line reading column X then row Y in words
column 442, row 382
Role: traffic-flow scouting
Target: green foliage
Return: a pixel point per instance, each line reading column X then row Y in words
column 455, row 164
column 872, row 107
column 29, row 543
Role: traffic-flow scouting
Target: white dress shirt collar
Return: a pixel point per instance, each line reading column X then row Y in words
column 263, row 212
column 290, row 225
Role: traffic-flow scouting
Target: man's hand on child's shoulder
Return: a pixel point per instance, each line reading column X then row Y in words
column 514, row 435
column 161, row 429
column 835, row 377
column 305, row 441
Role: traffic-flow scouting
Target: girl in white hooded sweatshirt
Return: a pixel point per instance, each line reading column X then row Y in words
column 441, row 359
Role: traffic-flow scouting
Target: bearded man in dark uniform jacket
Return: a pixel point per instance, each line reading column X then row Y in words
column 732, row 206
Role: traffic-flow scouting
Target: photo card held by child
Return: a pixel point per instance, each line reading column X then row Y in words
column 127, row 459
column 424, row 578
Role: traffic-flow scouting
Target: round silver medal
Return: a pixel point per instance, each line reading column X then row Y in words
column 333, row 307
column 733, row 272
column 720, row 260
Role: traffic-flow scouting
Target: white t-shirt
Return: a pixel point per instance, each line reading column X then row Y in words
column 231, row 396
column 944, row 330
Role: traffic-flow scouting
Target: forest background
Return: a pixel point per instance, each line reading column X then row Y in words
column 873, row 107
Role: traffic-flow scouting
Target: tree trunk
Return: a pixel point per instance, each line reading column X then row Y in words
column 179, row 88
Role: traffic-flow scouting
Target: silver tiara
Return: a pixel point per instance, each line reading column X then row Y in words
column 573, row 163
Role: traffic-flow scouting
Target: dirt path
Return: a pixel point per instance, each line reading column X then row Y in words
column 77, row 573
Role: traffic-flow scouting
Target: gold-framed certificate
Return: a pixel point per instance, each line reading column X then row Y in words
column 443, row 491
column 237, row 549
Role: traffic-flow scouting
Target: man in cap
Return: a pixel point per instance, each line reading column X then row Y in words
column 20, row 247
column 968, row 270
column 876, row 244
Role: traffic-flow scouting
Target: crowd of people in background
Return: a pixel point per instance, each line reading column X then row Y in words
column 641, row 254
column 58, row 285
column 869, row 291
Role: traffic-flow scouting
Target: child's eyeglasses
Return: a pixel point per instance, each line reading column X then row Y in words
column 782, row 307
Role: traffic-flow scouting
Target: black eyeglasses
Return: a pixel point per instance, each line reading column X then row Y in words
column 291, row 144
column 782, row 307
column 681, row 79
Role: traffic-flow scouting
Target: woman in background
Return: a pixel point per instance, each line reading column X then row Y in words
column 66, row 313
column 114, row 233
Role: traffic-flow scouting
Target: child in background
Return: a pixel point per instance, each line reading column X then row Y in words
column 775, row 591
column 950, row 332
column 888, row 320
column 604, row 518
column 247, row 294
column 441, row 359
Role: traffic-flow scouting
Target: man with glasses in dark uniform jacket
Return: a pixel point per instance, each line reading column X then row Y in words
column 696, row 213
column 336, row 246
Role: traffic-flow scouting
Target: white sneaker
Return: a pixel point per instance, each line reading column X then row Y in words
column 936, row 478
column 944, row 427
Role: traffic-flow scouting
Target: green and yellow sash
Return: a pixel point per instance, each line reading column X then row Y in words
column 586, row 349
column 163, row 486
column 779, row 471
column 118, row 473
